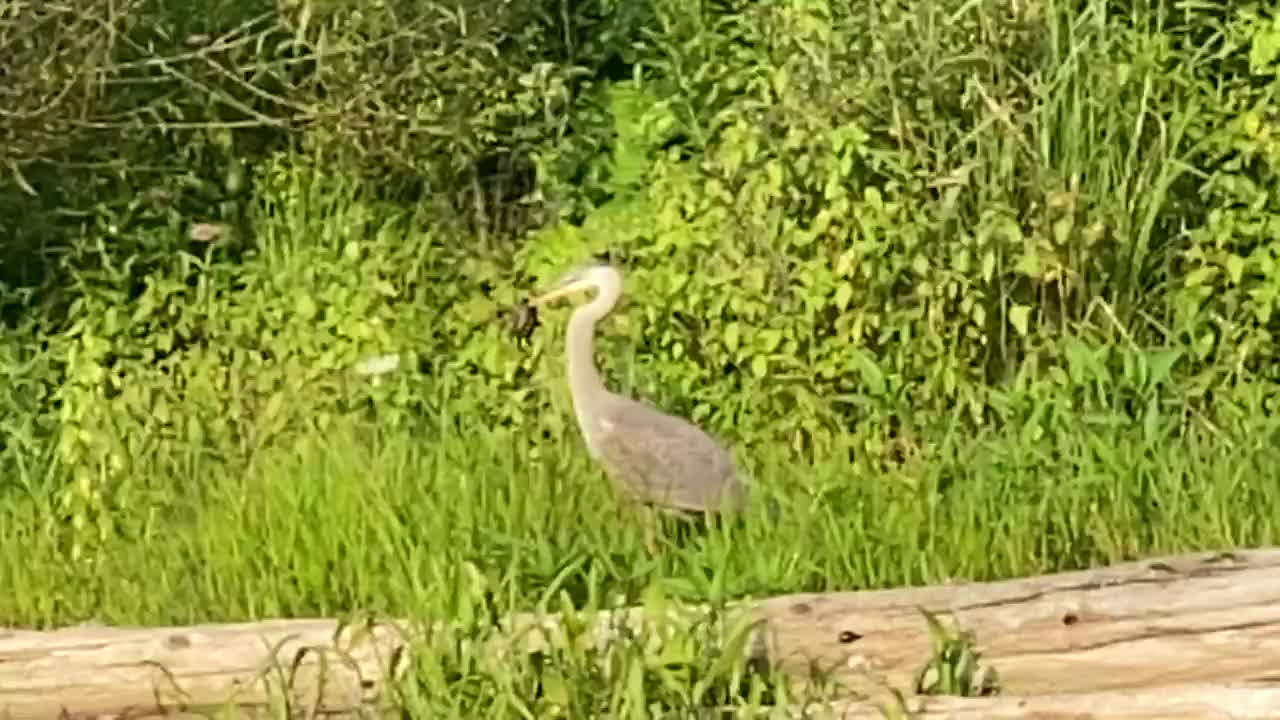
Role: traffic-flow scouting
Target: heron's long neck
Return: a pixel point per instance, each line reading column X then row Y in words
column 584, row 378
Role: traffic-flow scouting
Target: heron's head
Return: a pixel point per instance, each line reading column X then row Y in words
column 600, row 277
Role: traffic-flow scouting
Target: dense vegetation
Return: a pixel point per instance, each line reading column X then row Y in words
column 975, row 288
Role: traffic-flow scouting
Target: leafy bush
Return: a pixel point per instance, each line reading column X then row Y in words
column 873, row 218
column 125, row 119
column 1224, row 307
column 223, row 359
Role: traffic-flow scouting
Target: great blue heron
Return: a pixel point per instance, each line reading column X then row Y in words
column 651, row 457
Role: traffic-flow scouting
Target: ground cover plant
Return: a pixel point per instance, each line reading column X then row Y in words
column 975, row 290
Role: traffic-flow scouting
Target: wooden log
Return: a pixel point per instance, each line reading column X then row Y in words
column 1207, row 619
column 95, row 671
column 1200, row 618
column 1183, row 702
column 1196, row 618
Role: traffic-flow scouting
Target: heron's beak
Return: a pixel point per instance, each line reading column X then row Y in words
column 564, row 289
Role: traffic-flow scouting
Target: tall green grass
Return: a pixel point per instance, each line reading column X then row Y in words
column 366, row 520
column 463, row 526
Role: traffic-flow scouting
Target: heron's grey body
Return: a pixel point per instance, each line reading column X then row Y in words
column 661, row 459
column 650, row 456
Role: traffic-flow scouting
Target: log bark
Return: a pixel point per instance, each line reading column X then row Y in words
column 1201, row 618
column 95, row 671
column 1186, row 702
column 1208, row 621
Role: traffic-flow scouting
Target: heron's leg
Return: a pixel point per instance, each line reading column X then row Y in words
column 649, row 517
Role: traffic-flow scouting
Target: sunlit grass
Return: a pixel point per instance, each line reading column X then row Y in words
column 462, row 527
column 357, row 521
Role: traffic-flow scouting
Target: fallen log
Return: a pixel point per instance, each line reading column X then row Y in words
column 95, row 671
column 1255, row 701
column 1210, row 619
column 1200, row 618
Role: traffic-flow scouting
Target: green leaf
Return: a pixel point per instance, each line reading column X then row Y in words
column 844, row 293
column 988, row 265
column 274, row 405
column 304, row 307
column 1265, row 49
column 1235, row 268
column 1199, row 276
column 871, row 374
column 769, row 339
column 1161, row 364
column 1062, row 231
column 732, row 336
column 555, row 689
column 1028, row 265
column 1019, row 315
column 759, row 366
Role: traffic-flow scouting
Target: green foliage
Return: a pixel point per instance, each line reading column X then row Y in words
column 129, row 117
column 132, row 123
column 225, row 359
column 461, row 106
column 978, row 288
column 1224, row 305
column 835, row 218
column 694, row 665
column 464, row 527
column 864, row 218
column 953, row 669
column 25, row 397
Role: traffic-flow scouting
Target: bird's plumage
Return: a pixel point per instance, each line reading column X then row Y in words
column 649, row 455
column 664, row 460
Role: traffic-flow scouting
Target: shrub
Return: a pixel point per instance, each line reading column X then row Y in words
column 864, row 215
column 837, row 218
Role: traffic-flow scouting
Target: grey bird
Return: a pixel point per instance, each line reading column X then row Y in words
column 651, row 457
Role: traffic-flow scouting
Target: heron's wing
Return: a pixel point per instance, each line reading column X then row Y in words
column 664, row 459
